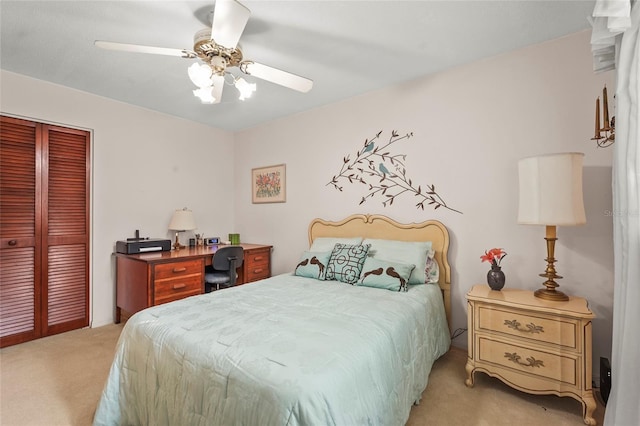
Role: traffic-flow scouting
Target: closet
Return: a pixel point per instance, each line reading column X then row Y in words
column 44, row 229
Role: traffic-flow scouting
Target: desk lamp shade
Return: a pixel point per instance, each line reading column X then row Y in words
column 551, row 195
column 182, row 220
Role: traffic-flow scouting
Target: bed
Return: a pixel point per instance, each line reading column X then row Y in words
column 290, row 349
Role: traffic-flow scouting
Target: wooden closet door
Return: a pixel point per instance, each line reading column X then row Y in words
column 44, row 230
column 65, row 236
column 20, row 231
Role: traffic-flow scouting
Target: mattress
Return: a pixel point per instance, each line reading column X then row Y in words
column 287, row 350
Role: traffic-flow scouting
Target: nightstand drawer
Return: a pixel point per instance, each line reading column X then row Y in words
column 174, row 289
column 550, row 366
column 532, row 326
column 178, row 269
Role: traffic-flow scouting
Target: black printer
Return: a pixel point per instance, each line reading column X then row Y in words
column 142, row 245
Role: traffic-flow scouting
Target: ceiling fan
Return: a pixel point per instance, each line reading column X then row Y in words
column 217, row 48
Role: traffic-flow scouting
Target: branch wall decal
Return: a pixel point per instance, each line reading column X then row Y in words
column 385, row 174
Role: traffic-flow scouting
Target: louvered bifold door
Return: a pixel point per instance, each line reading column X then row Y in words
column 20, row 231
column 44, row 230
column 65, row 226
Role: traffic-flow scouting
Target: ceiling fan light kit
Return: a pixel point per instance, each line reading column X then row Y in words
column 245, row 88
column 217, row 48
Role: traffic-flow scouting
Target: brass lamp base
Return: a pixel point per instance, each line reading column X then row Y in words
column 550, row 292
column 177, row 245
column 554, row 295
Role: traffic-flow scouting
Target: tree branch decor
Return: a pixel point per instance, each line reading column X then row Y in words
column 385, row 174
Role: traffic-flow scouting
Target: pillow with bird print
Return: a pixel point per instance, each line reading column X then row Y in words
column 385, row 274
column 312, row 264
column 409, row 252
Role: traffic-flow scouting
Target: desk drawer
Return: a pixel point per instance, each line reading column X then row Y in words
column 257, row 265
column 261, row 256
column 178, row 269
column 258, row 272
column 176, row 280
column 175, row 289
column 530, row 326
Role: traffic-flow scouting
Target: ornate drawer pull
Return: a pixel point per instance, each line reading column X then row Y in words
column 176, row 270
column 179, row 286
column 531, row 328
column 531, row 361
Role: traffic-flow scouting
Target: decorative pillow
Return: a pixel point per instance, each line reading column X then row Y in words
column 408, row 252
column 328, row 243
column 346, row 262
column 380, row 273
column 312, row 264
column 432, row 270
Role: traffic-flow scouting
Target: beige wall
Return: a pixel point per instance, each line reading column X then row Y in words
column 470, row 125
column 145, row 165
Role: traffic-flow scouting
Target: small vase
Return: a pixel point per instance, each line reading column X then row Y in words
column 495, row 278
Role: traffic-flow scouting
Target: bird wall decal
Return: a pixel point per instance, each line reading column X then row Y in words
column 379, row 179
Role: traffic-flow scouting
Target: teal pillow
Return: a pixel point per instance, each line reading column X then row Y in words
column 409, row 252
column 346, row 262
column 313, row 264
column 385, row 274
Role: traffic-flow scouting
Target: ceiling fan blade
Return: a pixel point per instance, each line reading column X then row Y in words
column 110, row 45
column 277, row 76
column 229, row 19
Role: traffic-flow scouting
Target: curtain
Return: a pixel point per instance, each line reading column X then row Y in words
column 617, row 23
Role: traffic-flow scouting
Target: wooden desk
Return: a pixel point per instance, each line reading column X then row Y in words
column 149, row 279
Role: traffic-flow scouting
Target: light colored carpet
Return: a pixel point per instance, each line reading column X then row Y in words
column 447, row 401
column 58, row 380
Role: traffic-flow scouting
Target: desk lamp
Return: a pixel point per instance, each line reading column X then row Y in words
column 182, row 220
column 551, row 195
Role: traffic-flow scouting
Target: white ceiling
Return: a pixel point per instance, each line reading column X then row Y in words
column 346, row 47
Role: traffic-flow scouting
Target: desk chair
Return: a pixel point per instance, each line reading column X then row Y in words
column 222, row 273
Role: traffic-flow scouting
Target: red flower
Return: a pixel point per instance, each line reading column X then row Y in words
column 494, row 256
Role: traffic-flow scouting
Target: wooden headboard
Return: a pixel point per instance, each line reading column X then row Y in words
column 382, row 227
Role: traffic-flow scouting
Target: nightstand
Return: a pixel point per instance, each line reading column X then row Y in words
column 533, row 345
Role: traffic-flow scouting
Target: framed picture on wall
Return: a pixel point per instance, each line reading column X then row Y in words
column 269, row 184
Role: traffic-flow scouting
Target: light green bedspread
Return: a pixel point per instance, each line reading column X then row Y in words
column 283, row 351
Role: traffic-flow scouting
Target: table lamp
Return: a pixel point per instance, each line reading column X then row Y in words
column 551, row 195
column 182, row 220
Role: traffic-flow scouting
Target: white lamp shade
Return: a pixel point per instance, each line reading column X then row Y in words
column 245, row 88
column 182, row 220
column 551, row 190
column 200, row 75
